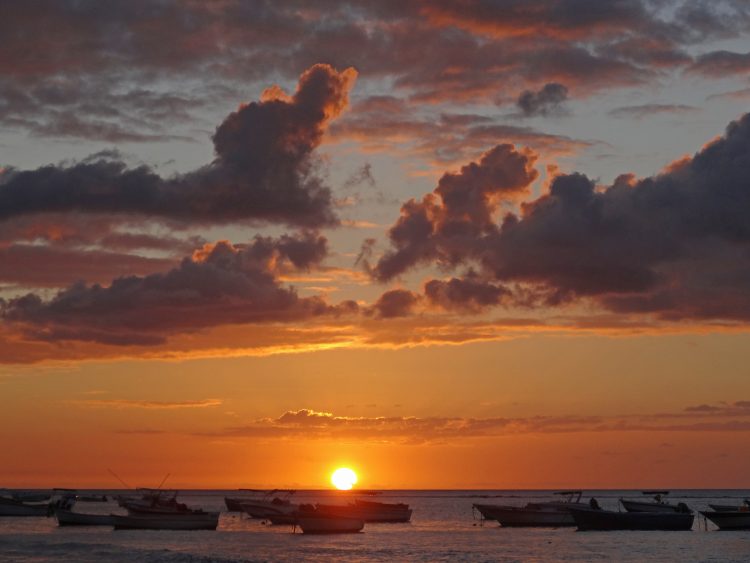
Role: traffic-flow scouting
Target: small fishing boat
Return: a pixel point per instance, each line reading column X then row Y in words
column 189, row 521
column 9, row 506
column 731, row 507
column 70, row 518
column 656, row 505
column 269, row 503
column 598, row 519
column 535, row 514
column 729, row 520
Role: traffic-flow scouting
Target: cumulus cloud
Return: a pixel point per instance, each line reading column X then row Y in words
column 220, row 284
column 676, row 245
column 460, row 210
column 264, row 168
column 547, row 101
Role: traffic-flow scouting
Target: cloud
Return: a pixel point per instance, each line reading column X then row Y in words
column 673, row 245
column 45, row 266
column 219, row 284
column 459, row 211
column 311, row 424
column 395, row 303
column 547, row 101
column 718, row 64
column 263, row 171
column 388, row 124
column 647, row 110
column 149, row 405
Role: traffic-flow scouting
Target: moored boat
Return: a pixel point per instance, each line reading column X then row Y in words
column 70, row 518
column 729, row 520
column 656, row 505
column 731, row 507
column 12, row 507
column 269, row 503
column 608, row 520
column 534, row 514
column 189, row 521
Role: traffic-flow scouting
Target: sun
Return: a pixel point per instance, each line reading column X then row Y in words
column 344, row 478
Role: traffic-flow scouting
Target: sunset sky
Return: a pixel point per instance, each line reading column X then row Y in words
column 446, row 243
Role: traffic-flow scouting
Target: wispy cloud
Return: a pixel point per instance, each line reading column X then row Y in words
column 647, row 110
column 140, row 404
column 311, row 424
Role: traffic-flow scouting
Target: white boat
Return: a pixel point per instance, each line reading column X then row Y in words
column 657, row 505
column 269, row 503
column 312, row 523
column 70, row 518
column 12, row 507
column 535, row 514
column 188, row 521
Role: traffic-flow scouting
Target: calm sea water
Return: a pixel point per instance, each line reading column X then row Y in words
column 442, row 529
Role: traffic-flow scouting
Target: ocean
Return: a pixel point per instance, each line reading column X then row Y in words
column 443, row 528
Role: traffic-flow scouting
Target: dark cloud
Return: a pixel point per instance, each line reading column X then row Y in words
column 676, row 245
column 468, row 294
column 220, row 284
column 263, row 169
column 459, row 211
column 547, row 101
column 647, row 110
column 433, row 50
column 718, row 64
column 395, row 303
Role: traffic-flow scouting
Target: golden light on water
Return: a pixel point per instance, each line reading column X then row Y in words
column 344, row 478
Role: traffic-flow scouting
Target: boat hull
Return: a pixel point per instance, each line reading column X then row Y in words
column 329, row 525
column 517, row 517
column 207, row 521
column 69, row 518
column 264, row 510
column 606, row 520
column 730, row 520
column 14, row 508
column 643, row 506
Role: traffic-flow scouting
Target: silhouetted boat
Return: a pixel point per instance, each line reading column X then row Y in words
column 9, row 506
column 186, row 521
column 534, row 514
column 269, row 505
column 598, row 519
column 260, row 506
column 69, row 518
column 731, row 507
column 657, row 505
column 729, row 520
